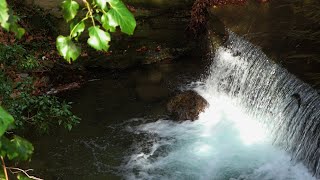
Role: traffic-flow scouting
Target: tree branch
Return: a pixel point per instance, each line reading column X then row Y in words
column 4, row 168
column 25, row 172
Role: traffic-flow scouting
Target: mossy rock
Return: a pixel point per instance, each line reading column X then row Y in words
column 186, row 106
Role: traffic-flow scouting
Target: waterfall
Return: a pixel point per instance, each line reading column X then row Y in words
column 261, row 124
column 286, row 106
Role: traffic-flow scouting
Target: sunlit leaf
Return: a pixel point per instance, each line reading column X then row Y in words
column 99, row 39
column 77, row 29
column 120, row 15
column 69, row 9
column 106, row 25
column 4, row 16
column 5, row 120
column 102, row 3
column 67, row 48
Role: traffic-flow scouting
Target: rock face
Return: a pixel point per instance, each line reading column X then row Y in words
column 186, row 106
column 217, row 31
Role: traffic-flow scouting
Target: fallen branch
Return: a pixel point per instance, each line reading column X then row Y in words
column 25, row 172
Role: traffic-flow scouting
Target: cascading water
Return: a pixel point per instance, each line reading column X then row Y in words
column 257, row 111
column 288, row 107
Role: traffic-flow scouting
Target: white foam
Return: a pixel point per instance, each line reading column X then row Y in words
column 233, row 138
column 223, row 144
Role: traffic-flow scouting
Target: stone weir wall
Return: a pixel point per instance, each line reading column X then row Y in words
column 52, row 6
column 272, row 26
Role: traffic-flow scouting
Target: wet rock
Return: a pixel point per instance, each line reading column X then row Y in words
column 158, row 56
column 186, row 106
column 262, row 1
column 50, row 6
column 217, row 31
column 135, row 57
column 65, row 87
column 161, row 4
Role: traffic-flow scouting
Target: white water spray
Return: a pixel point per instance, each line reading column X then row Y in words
column 233, row 139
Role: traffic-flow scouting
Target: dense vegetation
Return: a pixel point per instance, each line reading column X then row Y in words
column 23, row 91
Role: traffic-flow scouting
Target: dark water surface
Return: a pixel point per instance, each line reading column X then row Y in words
column 96, row 148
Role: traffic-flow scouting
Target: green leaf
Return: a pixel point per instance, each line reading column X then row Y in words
column 16, row 149
column 102, row 3
column 120, row 15
column 77, row 29
column 5, row 120
column 67, row 48
column 19, row 32
column 4, row 16
column 69, row 127
column 23, row 147
column 69, row 9
column 105, row 23
column 14, row 26
column 99, row 39
column 9, row 21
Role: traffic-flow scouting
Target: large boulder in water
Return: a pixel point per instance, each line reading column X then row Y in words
column 186, row 106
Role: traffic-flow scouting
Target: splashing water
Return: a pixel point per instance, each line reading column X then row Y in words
column 250, row 107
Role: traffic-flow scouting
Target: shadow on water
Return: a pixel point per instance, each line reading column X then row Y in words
column 104, row 105
column 113, row 106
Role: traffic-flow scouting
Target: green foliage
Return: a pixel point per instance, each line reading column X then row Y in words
column 108, row 13
column 17, row 57
column 99, row 39
column 67, row 48
column 77, row 29
column 119, row 15
column 43, row 112
column 14, row 148
column 69, row 9
column 5, row 120
column 40, row 112
column 14, row 27
column 9, row 21
column 102, row 3
column 17, row 148
column 4, row 15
